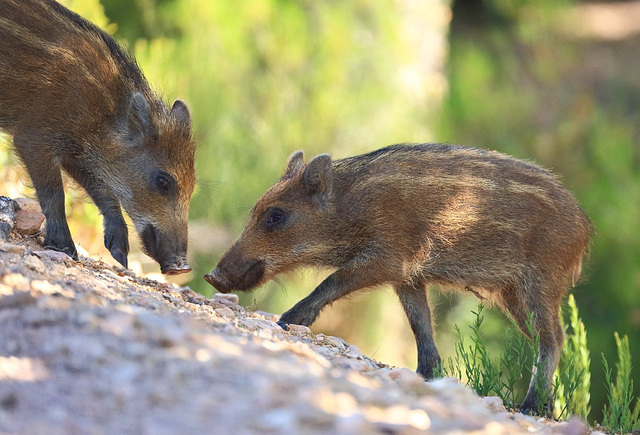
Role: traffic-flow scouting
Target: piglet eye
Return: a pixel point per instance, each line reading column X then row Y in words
column 274, row 218
column 163, row 183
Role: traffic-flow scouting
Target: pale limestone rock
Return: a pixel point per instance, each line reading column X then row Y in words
column 268, row 316
column 225, row 312
column 188, row 292
column 353, row 352
column 147, row 352
column 336, row 342
column 299, row 329
column 33, row 262
column 230, row 297
column 257, row 324
column 52, row 255
column 494, row 403
column 12, row 249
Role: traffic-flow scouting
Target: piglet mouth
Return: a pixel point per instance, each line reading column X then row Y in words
column 176, row 267
column 226, row 282
column 165, row 250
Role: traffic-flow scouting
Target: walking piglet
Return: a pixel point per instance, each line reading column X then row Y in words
column 408, row 216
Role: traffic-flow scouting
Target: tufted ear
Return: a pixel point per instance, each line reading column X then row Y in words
column 139, row 117
column 317, row 178
column 180, row 111
column 295, row 162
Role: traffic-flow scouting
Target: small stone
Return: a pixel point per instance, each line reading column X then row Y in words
column 353, row 352
column 28, row 222
column 335, row 342
column 396, row 374
column 231, row 297
column 225, row 312
column 494, row 403
column 12, row 249
column 34, row 263
column 72, row 272
column 257, row 324
column 126, row 272
column 355, row 364
column 299, row 329
column 268, row 316
column 409, row 381
column 575, row 426
column 52, row 255
column 188, row 292
column 27, row 204
column 7, row 217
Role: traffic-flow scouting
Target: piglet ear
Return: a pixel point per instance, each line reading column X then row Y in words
column 317, row 178
column 180, row 112
column 138, row 117
column 295, row 162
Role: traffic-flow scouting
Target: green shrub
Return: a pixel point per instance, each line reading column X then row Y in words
column 573, row 377
column 619, row 417
column 473, row 365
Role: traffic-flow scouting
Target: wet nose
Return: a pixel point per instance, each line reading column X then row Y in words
column 215, row 279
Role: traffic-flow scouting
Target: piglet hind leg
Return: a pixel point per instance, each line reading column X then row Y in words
column 338, row 284
column 44, row 170
column 546, row 325
column 539, row 395
column 413, row 298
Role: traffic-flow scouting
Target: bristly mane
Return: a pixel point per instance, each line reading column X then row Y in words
column 123, row 58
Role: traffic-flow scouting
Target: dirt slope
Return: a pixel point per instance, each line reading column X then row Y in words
column 87, row 348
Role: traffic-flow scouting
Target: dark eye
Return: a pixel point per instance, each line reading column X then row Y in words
column 274, row 218
column 163, row 183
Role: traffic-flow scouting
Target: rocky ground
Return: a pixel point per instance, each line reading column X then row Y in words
column 90, row 348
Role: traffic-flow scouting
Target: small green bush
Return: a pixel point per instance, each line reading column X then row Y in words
column 573, row 378
column 619, row 417
column 473, row 365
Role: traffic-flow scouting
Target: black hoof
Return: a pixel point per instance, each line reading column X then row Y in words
column 283, row 325
column 120, row 257
column 526, row 411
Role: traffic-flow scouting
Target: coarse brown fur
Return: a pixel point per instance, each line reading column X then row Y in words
column 409, row 216
column 74, row 100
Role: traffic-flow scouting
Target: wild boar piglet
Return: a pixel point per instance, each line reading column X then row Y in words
column 74, row 100
column 409, row 216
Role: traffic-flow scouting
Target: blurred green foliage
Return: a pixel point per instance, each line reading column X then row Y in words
column 266, row 77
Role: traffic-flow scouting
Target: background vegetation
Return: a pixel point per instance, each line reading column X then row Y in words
column 266, row 77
